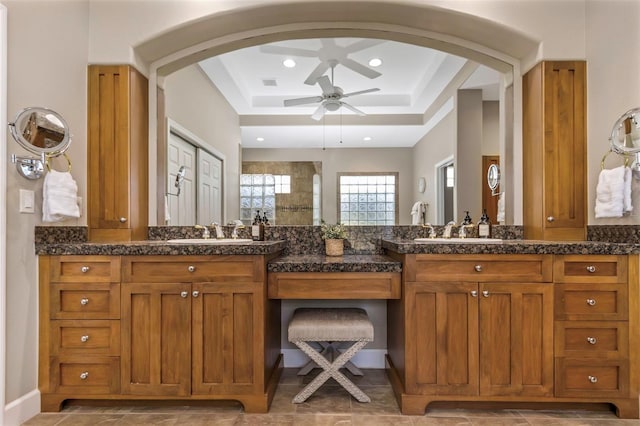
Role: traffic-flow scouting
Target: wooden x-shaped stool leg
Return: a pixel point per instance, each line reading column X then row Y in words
column 330, row 370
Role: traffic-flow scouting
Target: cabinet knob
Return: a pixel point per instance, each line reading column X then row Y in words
column 84, row 269
column 593, row 379
column 84, row 338
column 591, row 269
column 84, row 375
column 474, row 293
column 123, row 219
column 592, row 340
column 550, row 219
column 191, row 268
column 478, row 268
column 591, row 302
column 195, row 293
column 84, row 301
column 485, row 293
column 184, row 294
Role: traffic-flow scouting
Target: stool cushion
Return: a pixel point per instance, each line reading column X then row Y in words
column 330, row 324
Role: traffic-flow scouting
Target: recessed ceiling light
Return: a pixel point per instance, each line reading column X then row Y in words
column 289, row 63
column 375, row 62
column 260, row 139
column 366, row 138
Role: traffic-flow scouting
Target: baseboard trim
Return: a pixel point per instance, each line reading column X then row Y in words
column 22, row 409
column 366, row 358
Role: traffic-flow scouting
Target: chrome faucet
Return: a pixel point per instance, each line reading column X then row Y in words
column 447, row 229
column 219, row 231
column 430, row 230
column 205, row 231
column 234, row 233
column 463, row 229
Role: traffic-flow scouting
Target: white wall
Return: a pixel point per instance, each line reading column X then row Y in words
column 198, row 106
column 349, row 160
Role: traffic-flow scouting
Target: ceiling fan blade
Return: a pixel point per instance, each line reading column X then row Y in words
column 362, row 44
column 283, row 50
column 316, row 73
column 360, row 92
column 325, row 84
column 359, row 68
column 302, row 101
column 319, row 113
column 354, row 109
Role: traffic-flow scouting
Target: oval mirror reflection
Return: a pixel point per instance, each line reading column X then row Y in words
column 41, row 130
column 625, row 135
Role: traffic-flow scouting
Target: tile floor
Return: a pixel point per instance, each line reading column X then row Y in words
column 330, row 405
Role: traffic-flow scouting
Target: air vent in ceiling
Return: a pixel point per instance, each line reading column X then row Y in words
column 269, row 82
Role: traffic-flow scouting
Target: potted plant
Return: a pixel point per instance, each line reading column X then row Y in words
column 334, row 236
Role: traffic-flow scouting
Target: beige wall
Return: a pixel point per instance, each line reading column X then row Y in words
column 490, row 128
column 47, row 66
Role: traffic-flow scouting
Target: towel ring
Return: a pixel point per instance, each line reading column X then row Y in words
column 604, row 157
column 64, row 154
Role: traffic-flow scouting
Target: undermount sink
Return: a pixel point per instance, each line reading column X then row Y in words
column 459, row 240
column 210, row 241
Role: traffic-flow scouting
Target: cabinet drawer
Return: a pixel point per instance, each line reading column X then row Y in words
column 587, row 302
column 91, row 269
column 590, row 378
column 481, row 268
column 85, row 375
column 590, row 269
column 85, row 337
column 85, row 301
column 602, row 339
column 193, row 268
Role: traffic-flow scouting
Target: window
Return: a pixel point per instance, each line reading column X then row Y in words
column 368, row 198
column 257, row 193
column 283, row 184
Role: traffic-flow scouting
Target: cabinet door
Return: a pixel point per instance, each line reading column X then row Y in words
column 227, row 336
column 516, row 339
column 156, row 339
column 441, row 338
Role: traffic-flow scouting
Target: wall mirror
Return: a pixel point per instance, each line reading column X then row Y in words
column 625, row 135
column 271, row 128
column 493, row 178
column 40, row 131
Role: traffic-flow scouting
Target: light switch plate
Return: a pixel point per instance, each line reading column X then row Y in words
column 27, row 201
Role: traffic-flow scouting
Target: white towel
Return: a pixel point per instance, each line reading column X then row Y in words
column 59, row 197
column 500, row 214
column 416, row 211
column 613, row 193
column 167, row 209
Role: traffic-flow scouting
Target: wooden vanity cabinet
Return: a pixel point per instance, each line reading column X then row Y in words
column 117, row 176
column 555, row 151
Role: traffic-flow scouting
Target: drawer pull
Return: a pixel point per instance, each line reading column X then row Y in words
column 84, row 301
column 84, row 338
column 84, row 269
column 474, row 293
column 123, row 219
column 591, row 269
column 195, row 293
column 591, row 302
column 592, row 340
column 184, row 294
column 485, row 293
column 191, row 268
column 550, row 219
column 84, row 375
column 478, row 268
column 593, row 379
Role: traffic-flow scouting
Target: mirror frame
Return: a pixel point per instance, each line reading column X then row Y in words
column 18, row 125
column 621, row 141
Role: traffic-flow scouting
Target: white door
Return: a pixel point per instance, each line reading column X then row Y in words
column 181, row 208
column 209, row 188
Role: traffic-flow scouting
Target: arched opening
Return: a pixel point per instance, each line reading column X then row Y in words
column 465, row 35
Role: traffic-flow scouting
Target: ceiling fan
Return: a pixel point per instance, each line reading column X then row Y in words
column 330, row 54
column 331, row 99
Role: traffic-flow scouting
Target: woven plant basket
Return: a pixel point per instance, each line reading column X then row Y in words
column 334, row 247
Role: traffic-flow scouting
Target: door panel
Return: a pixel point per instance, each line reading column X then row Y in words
column 209, row 188
column 182, row 208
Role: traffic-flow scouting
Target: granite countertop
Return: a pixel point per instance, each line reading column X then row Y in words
column 511, row 247
column 159, row 247
column 346, row 263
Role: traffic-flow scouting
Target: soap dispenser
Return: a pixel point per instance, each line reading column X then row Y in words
column 257, row 228
column 484, row 226
column 467, row 219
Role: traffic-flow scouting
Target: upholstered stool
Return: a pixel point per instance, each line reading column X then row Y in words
column 330, row 325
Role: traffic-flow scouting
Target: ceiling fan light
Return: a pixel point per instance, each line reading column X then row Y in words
column 260, row 139
column 332, row 106
column 366, row 138
column 289, row 63
column 375, row 62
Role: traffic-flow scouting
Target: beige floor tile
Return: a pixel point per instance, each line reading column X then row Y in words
column 45, row 419
column 327, row 399
column 207, row 419
column 91, row 419
column 441, row 421
column 498, row 421
column 323, row 420
column 382, row 402
column 368, row 420
column 265, row 419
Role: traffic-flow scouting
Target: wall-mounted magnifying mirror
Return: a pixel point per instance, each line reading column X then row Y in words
column 493, row 178
column 182, row 171
column 40, row 131
column 625, row 135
